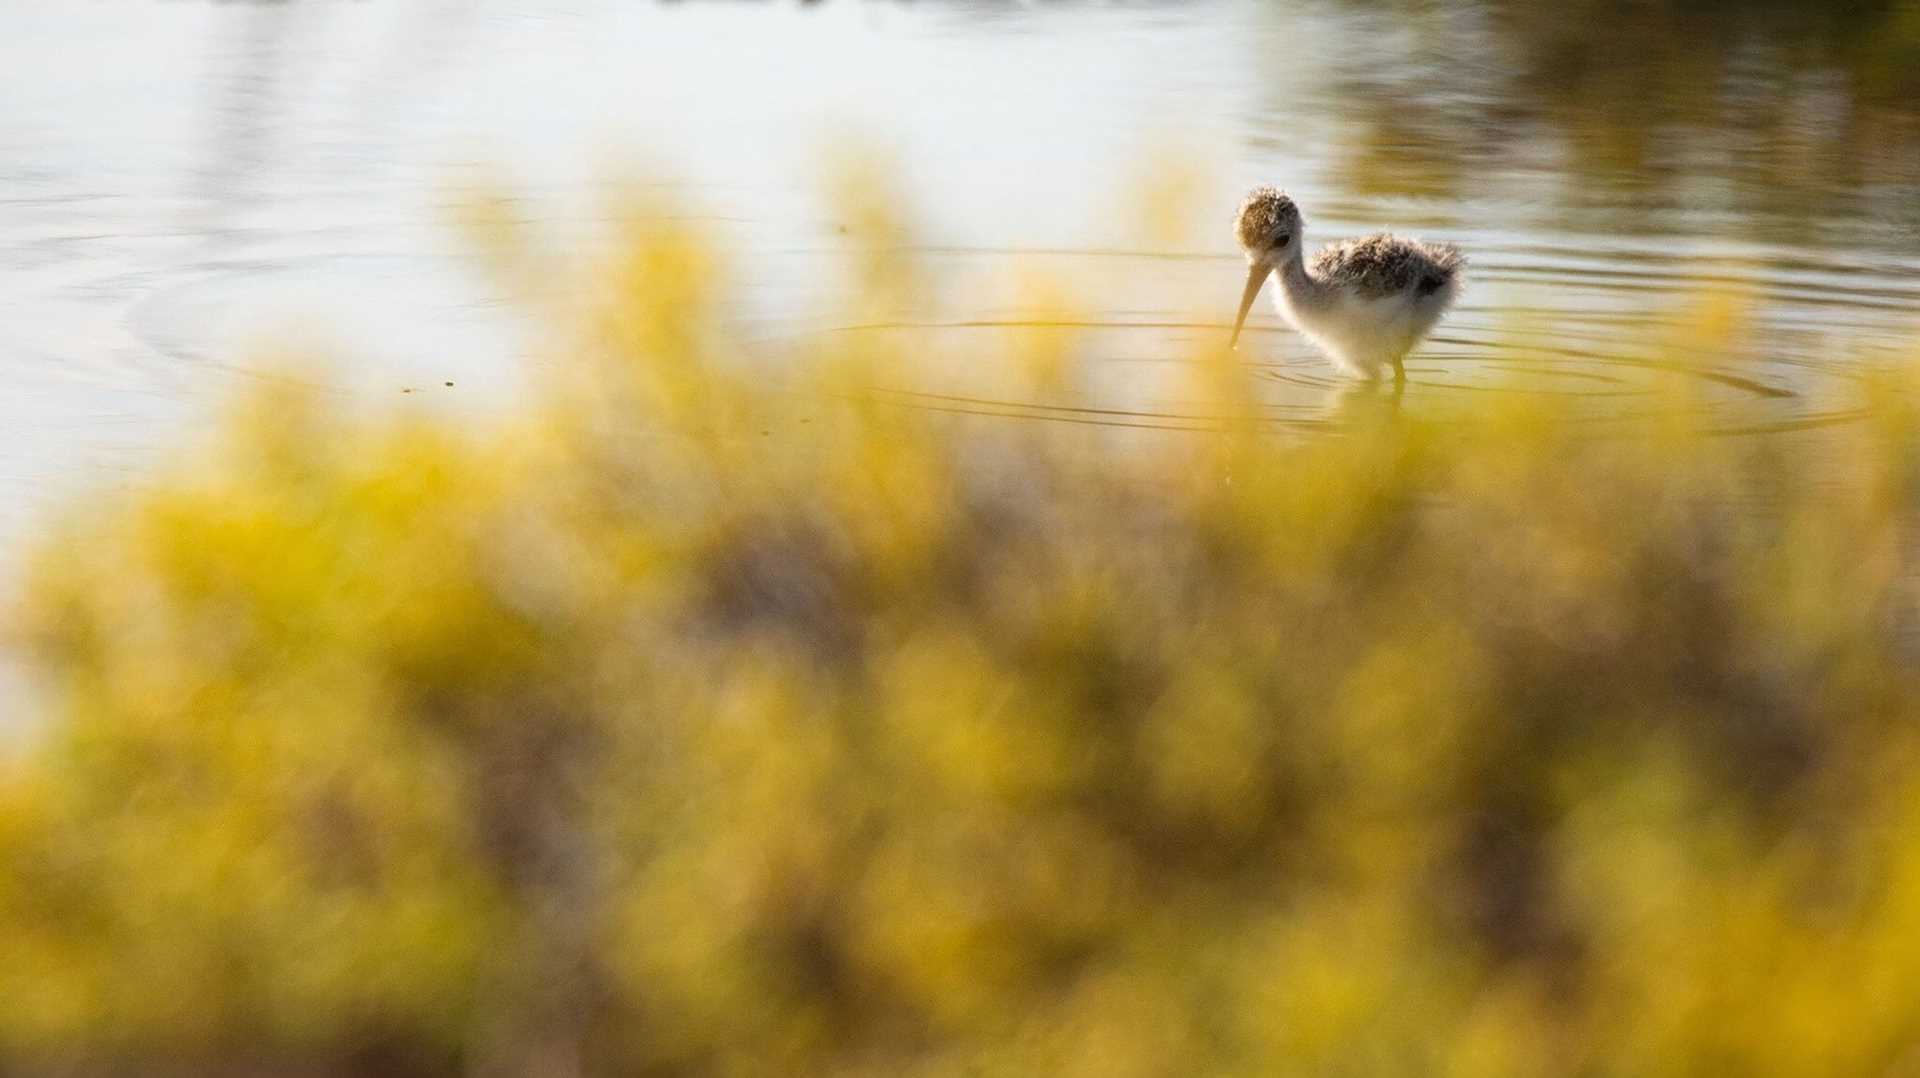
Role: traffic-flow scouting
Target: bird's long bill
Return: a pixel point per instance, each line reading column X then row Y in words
column 1256, row 276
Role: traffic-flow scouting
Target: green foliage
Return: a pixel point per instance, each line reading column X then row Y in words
column 690, row 727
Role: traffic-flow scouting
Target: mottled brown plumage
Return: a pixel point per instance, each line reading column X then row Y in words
column 1266, row 212
column 1382, row 265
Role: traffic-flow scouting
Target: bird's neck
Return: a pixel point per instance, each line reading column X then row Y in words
column 1304, row 290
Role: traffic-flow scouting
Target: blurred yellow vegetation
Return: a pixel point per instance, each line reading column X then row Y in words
column 691, row 725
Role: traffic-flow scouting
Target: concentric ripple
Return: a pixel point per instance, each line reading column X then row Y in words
column 1606, row 328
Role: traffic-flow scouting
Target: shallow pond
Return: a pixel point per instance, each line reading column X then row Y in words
column 186, row 188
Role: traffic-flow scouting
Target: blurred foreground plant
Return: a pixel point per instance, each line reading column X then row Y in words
column 688, row 727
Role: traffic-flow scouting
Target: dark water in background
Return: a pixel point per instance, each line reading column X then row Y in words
column 180, row 182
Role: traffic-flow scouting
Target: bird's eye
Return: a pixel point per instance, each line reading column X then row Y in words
column 1282, row 239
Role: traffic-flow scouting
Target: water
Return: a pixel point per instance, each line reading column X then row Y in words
column 190, row 193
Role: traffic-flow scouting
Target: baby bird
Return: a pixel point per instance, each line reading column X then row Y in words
column 1365, row 303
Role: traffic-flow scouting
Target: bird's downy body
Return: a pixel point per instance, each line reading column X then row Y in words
column 1365, row 303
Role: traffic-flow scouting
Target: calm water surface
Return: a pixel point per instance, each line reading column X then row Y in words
column 187, row 187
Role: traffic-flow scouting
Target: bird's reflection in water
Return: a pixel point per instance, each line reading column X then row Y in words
column 1359, row 403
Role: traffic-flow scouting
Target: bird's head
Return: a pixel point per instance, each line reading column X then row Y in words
column 1268, row 223
column 1268, row 227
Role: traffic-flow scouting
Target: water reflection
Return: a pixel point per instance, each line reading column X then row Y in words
column 1778, row 121
column 182, row 181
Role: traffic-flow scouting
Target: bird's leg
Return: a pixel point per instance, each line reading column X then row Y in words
column 1399, row 371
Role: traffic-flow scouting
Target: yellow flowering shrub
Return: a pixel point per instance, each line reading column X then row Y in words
column 684, row 725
